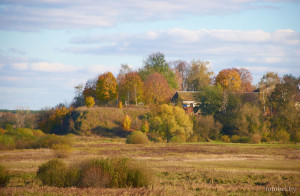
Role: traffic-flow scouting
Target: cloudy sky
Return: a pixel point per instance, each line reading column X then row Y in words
column 49, row 46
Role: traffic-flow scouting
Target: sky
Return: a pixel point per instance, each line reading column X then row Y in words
column 47, row 47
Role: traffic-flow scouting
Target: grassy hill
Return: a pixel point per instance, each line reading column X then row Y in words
column 104, row 121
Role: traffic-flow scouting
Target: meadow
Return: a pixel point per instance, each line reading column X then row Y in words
column 180, row 169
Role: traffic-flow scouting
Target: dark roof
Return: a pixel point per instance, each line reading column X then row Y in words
column 185, row 95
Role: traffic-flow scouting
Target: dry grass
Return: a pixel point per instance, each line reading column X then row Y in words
column 180, row 169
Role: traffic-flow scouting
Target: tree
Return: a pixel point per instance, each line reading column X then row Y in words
column 89, row 101
column 131, row 88
column 125, row 69
column 266, row 86
column 206, row 128
column 90, row 88
column 211, row 100
column 249, row 120
column 246, row 79
column 170, row 121
column 180, row 70
column 198, row 76
column 156, row 89
column 106, row 88
column 229, row 79
column 79, row 97
column 156, row 63
column 126, row 122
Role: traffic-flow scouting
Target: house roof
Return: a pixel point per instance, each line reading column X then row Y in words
column 185, row 95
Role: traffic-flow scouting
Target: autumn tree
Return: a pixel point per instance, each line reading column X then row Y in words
column 156, row 63
column 198, row 75
column 180, row 70
column 266, row 86
column 106, row 90
column 90, row 88
column 229, row 79
column 246, row 79
column 89, row 101
column 171, row 121
column 125, row 69
column 131, row 88
column 156, row 89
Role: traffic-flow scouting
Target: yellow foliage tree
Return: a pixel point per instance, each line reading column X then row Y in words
column 126, row 122
column 229, row 79
column 106, row 88
column 89, row 101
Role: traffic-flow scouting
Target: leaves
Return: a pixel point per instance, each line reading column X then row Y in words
column 229, row 79
column 106, row 88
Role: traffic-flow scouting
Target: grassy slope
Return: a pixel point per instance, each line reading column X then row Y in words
column 106, row 121
column 181, row 169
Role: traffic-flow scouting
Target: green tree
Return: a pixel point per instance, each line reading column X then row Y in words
column 106, row 88
column 211, row 100
column 198, row 76
column 169, row 121
column 206, row 128
column 156, row 63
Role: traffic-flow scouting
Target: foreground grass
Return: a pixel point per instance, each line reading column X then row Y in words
column 180, row 169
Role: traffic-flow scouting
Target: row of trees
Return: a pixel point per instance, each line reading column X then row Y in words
column 157, row 80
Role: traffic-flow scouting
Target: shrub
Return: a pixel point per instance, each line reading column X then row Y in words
column 145, row 126
column 297, row 137
column 235, row 139
column 95, row 173
column 53, row 173
column 48, row 141
column 120, row 104
column 7, row 142
column 89, row 101
column 126, row 122
column 244, row 139
column 255, row 138
column 137, row 137
column 225, row 138
column 206, row 128
column 154, row 137
column 282, row 137
column 62, row 150
column 4, row 176
column 176, row 139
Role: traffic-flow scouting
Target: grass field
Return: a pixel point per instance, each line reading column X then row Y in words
column 180, row 169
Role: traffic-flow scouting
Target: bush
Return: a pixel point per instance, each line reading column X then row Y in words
column 244, row 139
column 7, row 142
column 255, row 138
column 48, row 141
column 95, row 173
column 53, row 173
column 120, row 104
column 297, row 137
column 62, row 150
column 4, row 176
column 115, row 172
column 176, row 139
column 89, row 101
column 235, row 139
column 126, row 122
column 145, row 126
column 225, row 138
column 137, row 137
column 282, row 137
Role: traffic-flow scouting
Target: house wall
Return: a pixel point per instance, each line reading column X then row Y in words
column 188, row 103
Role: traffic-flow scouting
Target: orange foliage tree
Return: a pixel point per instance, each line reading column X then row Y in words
column 156, row 89
column 229, row 79
column 106, row 88
column 131, row 87
column 246, row 79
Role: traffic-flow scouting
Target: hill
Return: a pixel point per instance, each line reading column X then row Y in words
column 104, row 121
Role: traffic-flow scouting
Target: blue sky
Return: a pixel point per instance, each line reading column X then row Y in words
column 49, row 46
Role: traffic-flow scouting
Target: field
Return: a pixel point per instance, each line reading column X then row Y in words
column 180, row 169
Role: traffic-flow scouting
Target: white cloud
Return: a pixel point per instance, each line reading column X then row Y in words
column 52, row 67
column 20, row 66
column 45, row 14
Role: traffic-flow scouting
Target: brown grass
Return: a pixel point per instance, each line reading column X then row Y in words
column 180, row 169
